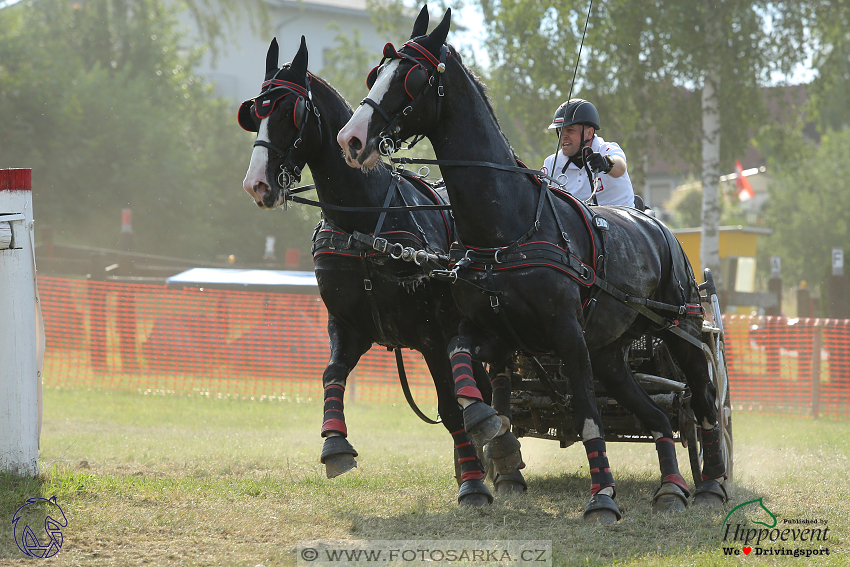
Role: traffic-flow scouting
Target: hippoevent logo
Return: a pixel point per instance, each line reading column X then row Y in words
column 761, row 533
column 46, row 540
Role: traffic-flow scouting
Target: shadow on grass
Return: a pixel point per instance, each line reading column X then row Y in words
column 552, row 509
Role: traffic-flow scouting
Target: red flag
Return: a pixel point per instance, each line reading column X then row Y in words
column 745, row 190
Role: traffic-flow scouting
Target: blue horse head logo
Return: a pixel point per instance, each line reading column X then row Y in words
column 27, row 540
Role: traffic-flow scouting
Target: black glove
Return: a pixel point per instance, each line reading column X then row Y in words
column 599, row 163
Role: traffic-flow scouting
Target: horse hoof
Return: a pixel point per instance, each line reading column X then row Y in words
column 602, row 510
column 474, row 493
column 482, row 422
column 512, row 483
column 504, row 451
column 669, row 498
column 710, row 494
column 338, row 456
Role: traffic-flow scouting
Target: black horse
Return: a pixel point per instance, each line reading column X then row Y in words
column 370, row 296
column 531, row 265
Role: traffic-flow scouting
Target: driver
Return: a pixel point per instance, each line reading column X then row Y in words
column 576, row 123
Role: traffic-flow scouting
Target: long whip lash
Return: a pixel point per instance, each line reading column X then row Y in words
column 575, row 71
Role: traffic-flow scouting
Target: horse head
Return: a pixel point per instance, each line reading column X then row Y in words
column 280, row 115
column 407, row 78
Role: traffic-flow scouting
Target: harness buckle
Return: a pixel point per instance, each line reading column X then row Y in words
column 407, row 110
column 495, row 256
column 494, row 302
column 380, row 244
column 367, row 284
column 440, row 91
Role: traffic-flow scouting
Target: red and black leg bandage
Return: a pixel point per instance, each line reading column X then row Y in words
column 600, row 472
column 713, row 465
column 334, row 418
column 470, row 465
column 465, row 386
column 502, row 395
column 666, row 449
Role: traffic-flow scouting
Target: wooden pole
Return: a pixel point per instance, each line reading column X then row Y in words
column 20, row 376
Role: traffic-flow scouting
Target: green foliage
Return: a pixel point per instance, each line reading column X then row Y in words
column 830, row 91
column 641, row 64
column 808, row 210
column 347, row 64
column 101, row 102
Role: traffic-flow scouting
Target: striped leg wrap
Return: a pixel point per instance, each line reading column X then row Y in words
column 713, row 465
column 470, row 464
column 666, row 449
column 334, row 418
column 502, row 395
column 462, row 373
column 600, row 472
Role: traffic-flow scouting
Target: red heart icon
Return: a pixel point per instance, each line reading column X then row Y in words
column 747, row 550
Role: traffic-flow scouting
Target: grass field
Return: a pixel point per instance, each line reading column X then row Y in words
column 172, row 480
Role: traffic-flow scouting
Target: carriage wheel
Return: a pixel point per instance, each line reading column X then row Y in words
column 719, row 378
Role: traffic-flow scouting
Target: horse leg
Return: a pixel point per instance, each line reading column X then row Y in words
column 692, row 361
column 572, row 350
column 346, row 350
column 504, row 450
column 485, row 424
column 471, row 490
column 610, row 367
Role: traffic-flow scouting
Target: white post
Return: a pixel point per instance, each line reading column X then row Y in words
column 20, row 376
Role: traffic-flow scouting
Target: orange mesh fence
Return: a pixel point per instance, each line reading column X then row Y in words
column 794, row 366
column 253, row 344
column 208, row 342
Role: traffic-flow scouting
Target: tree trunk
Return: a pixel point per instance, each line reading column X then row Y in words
column 709, row 247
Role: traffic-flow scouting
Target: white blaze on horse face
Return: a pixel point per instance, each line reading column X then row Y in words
column 358, row 126
column 255, row 182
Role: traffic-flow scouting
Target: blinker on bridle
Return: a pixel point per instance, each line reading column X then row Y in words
column 253, row 110
column 417, row 82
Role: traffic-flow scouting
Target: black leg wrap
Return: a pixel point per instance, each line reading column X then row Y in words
column 465, row 386
column 669, row 465
column 504, row 451
column 474, row 492
column 470, row 465
column 600, row 472
column 713, row 465
column 482, row 422
column 602, row 509
column 334, row 420
column 338, row 456
column 512, row 483
column 502, row 395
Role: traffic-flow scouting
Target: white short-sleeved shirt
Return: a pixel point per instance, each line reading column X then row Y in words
column 612, row 190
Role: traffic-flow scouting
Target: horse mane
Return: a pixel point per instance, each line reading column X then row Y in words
column 484, row 92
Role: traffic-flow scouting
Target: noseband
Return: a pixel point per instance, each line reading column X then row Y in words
column 390, row 141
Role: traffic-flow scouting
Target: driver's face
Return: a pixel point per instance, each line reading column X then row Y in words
column 571, row 138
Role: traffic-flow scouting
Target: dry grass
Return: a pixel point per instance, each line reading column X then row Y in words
column 193, row 481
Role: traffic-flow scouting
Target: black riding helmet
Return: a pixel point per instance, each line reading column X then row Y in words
column 575, row 111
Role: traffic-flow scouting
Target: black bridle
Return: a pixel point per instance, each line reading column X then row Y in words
column 290, row 169
column 420, row 80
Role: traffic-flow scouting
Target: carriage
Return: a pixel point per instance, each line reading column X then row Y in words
column 541, row 398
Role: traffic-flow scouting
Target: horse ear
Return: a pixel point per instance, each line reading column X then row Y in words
column 299, row 63
column 420, row 28
column 441, row 32
column 271, row 56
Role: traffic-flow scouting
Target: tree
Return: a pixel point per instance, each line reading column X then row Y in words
column 641, row 61
column 808, row 209
column 102, row 104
